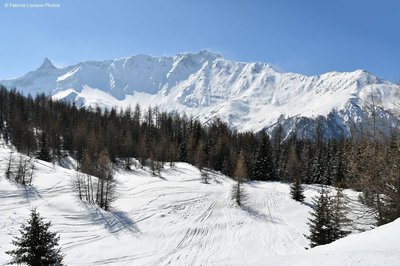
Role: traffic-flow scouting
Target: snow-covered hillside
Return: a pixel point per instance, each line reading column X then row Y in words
column 376, row 247
column 249, row 96
column 177, row 220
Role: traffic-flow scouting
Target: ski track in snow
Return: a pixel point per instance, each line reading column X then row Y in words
column 173, row 220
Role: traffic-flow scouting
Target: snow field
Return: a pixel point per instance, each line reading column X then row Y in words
column 172, row 219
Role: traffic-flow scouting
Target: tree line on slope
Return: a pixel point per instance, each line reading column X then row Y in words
column 38, row 126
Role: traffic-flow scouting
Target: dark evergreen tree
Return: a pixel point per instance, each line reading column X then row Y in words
column 318, row 163
column 128, row 149
column 328, row 220
column 320, row 223
column 278, row 150
column 182, row 153
column 297, row 190
column 36, row 245
column 306, row 160
column 263, row 166
column 293, row 174
column 339, row 215
column 329, row 158
column 336, row 166
column 44, row 153
column 317, row 169
column 340, row 169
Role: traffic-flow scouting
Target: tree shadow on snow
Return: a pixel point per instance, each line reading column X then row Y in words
column 114, row 221
column 162, row 177
column 259, row 215
column 29, row 192
column 308, row 204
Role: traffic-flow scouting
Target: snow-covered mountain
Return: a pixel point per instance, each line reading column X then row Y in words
column 249, row 96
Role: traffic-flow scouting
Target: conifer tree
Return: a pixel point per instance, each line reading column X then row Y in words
column 317, row 169
column 44, row 153
column 306, row 163
column 339, row 218
column 330, row 162
column 36, row 245
column 328, row 220
column 182, row 153
column 340, row 169
column 320, row 223
column 293, row 173
column 318, row 163
column 128, row 149
column 296, row 189
column 278, row 150
column 263, row 166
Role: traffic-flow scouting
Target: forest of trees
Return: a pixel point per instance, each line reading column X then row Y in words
column 42, row 128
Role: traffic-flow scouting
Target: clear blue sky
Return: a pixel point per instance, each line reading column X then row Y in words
column 304, row 36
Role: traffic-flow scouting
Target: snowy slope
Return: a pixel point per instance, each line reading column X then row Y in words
column 175, row 220
column 380, row 246
column 249, row 96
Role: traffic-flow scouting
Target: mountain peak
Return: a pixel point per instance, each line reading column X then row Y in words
column 209, row 53
column 46, row 64
column 205, row 54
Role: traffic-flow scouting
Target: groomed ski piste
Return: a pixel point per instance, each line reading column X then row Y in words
column 175, row 219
